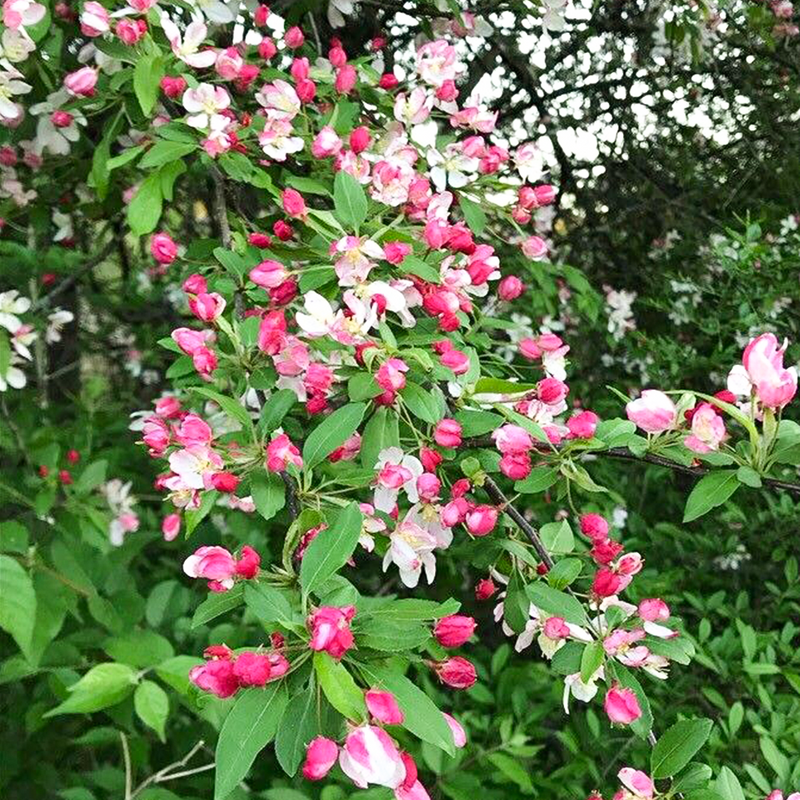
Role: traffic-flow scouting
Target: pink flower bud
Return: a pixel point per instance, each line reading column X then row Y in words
column 283, row 230
column 248, row 565
column 173, row 87
column 207, row 306
column 481, row 520
column 454, row 512
column 300, row 69
column 388, row 81
column 131, row 31
column 484, row 589
column 211, row 563
column 583, row 425
column 359, row 141
column 621, row 706
column 447, row 433
column 454, row 630
column 269, row 274
column 195, row 284
column 260, row 240
column 428, row 487
column 516, row 466
column 260, row 16
column 281, row 452
column 163, row 248
column 383, row 706
column 606, row 583
column 545, row 194
column 216, row 677
column 447, row 92
column 653, row 412
column 293, row 204
column 61, row 119
column 321, row 755
column 556, row 628
column 326, row 143
column 171, row 526
column 306, row 90
column 456, row 361
column 252, row 669
column 337, row 57
column 345, row 80
column 294, row 38
column 551, row 391
column 534, row 248
column 456, row 672
column 267, row 48
column 653, row 610
column 510, row 288
column 430, row 458
column 81, row 83
column 594, row 526
column 330, row 630
column 225, row 482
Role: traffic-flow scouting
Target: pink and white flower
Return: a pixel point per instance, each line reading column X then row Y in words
column 204, row 104
column 187, row 46
column 369, row 756
column 396, row 472
column 762, row 372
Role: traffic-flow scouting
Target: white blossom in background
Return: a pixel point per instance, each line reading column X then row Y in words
column 619, row 304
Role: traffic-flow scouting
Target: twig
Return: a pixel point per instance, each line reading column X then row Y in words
column 220, row 207
column 493, row 490
column 291, row 495
column 15, row 433
column 127, row 758
column 166, row 773
column 315, row 31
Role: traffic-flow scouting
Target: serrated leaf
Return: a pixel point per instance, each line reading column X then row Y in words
column 710, row 491
column 218, row 603
column 339, row 687
column 331, row 433
column 556, row 603
column 269, row 493
column 331, row 548
column 349, row 200
column 297, row 728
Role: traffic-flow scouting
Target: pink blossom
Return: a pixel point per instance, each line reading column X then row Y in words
column 762, row 371
column 653, row 610
column 594, row 526
column 481, row 520
column 454, row 630
column 281, row 452
column 95, row 19
column 207, row 306
column 360, row 139
column 391, row 375
column 345, row 80
column 294, row 38
column 484, row 589
column 326, row 143
column 708, row 430
column 621, row 706
column 606, row 583
column 330, row 630
column 437, row 62
column 511, row 439
column 370, row 757
column 637, row 782
column 155, row 435
column 321, row 755
column 582, row 425
column 428, row 487
column 516, row 466
column 556, row 628
column 653, row 412
column 293, row 204
column 131, row 31
column 348, row 451
column 395, row 252
column 252, row 669
column 383, row 706
column 212, row 563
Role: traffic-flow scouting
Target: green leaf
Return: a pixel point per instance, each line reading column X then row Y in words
column 727, row 785
column 233, row 408
column 163, row 152
column 139, row 648
column 92, row 476
column 298, row 727
column 428, row 405
column 380, row 432
column 194, row 517
column 410, row 609
column 339, row 687
column 247, row 730
column 557, row 603
column 17, row 604
column 218, row 603
column 711, row 491
column 102, row 686
column 476, row 423
column 5, row 352
column 332, row 432
column 564, row 572
column 147, row 75
column 749, row 477
column 152, row 706
column 349, row 200
column 416, row 266
column 331, row 548
column 125, row 157
column 473, row 214
column 144, row 211
column 391, row 635
column 362, row 386
column 625, row 677
column 557, row 537
column 513, row 770
column 269, row 493
column 677, row 746
column 591, row 660
column 268, row 604
column 516, row 605
column 538, row 480
column 275, row 409
column 776, row 759
column 422, row 717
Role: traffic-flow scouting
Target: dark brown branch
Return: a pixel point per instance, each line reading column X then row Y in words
column 493, row 490
column 291, row 495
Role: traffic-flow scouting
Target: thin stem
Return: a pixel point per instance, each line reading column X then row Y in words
column 493, row 490
column 127, row 758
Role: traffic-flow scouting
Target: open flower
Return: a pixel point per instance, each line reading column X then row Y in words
column 187, row 47
column 204, row 104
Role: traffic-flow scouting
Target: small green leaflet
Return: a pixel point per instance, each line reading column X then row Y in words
column 339, row 687
column 146, row 78
column 102, row 686
column 269, row 493
column 557, row 603
column 677, row 746
column 473, row 214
